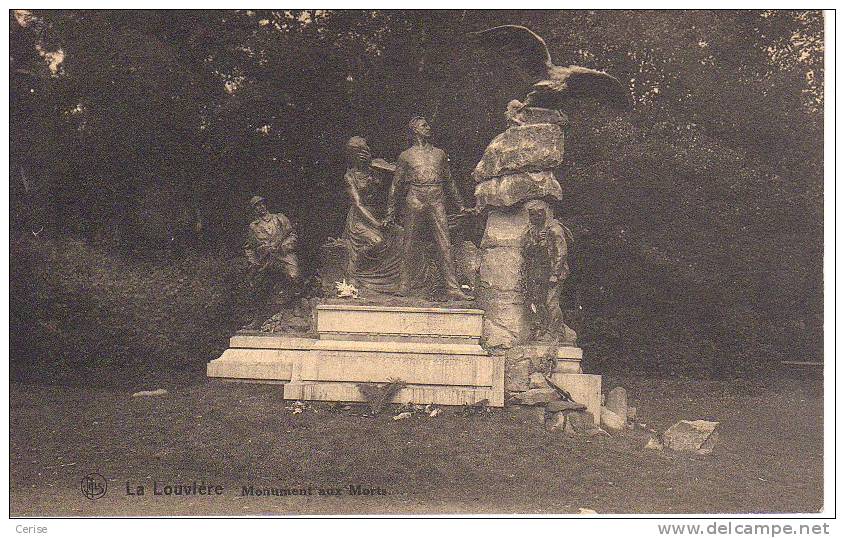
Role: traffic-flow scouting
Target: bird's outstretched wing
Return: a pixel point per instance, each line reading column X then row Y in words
column 574, row 82
column 519, row 41
column 592, row 83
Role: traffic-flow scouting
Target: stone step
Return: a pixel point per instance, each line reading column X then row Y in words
column 284, row 342
column 417, row 348
column 281, row 365
column 366, row 367
column 567, row 366
column 427, row 339
column 418, row 394
column 435, row 351
column 570, row 352
column 261, row 365
column 356, row 321
column 269, row 341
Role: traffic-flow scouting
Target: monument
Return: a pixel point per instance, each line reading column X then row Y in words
column 385, row 333
column 463, row 350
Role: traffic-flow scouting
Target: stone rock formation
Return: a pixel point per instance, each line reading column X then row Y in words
column 499, row 290
column 517, row 166
column 509, row 190
column 522, row 148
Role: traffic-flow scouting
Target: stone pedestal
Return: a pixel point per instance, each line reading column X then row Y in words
column 568, row 360
column 584, row 389
column 399, row 323
column 435, row 351
column 499, row 290
column 523, row 360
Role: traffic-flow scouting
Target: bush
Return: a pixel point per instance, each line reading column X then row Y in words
column 75, row 304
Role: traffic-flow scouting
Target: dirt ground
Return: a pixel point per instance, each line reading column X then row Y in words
column 769, row 457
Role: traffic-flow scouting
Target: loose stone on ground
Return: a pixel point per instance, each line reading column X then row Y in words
column 611, row 421
column 157, row 392
column 617, row 401
column 699, row 436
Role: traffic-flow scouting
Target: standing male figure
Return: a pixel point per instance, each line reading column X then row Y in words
column 546, row 251
column 424, row 170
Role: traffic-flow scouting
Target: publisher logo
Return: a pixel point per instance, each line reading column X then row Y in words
column 93, row 486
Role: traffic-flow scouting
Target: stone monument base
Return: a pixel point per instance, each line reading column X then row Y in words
column 521, row 361
column 584, row 389
column 434, row 351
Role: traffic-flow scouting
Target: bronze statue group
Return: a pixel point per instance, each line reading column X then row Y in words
column 386, row 254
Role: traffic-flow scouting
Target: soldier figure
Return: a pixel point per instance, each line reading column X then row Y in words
column 270, row 247
column 424, row 170
column 546, row 250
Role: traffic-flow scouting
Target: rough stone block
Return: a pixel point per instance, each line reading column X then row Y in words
column 501, row 268
column 524, row 148
column 541, row 350
column 505, row 319
column 617, row 401
column 557, row 421
column 532, row 114
column 525, row 359
column 505, row 325
column 564, row 406
column 581, row 421
column 537, row 381
column 699, row 436
column 584, row 388
column 653, row 444
column 571, row 422
column 517, row 375
column 512, row 189
column 567, row 358
column 498, row 336
column 505, row 228
column 568, row 337
column 611, row 421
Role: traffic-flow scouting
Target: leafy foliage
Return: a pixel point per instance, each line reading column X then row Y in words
column 379, row 395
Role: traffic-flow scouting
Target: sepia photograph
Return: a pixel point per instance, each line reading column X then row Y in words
column 403, row 262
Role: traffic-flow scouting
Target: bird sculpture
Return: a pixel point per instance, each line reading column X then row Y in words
column 559, row 85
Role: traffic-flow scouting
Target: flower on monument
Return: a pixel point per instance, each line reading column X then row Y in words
column 346, row 290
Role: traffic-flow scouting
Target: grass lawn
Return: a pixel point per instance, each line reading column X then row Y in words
column 769, row 457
